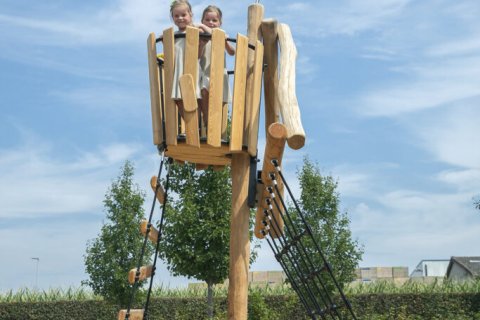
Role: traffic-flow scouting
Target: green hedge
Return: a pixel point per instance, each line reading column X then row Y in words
column 371, row 307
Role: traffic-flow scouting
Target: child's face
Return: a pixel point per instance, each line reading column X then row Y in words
column 182, row 17
column 211, row 20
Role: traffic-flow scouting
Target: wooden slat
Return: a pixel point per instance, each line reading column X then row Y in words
column 206, row 154
column 187, row 87
column 160, row 192
column 215, row 94
column 276, row 139
column 255, row 99
column 152, row 235
column 270, row 77
column 191, row 55
column 135, row 314
column 224, row 121
column 154, row 77
column 239, row 85
column 286, row 89
column 201, row 166
column 145, row 272
column 171, row 113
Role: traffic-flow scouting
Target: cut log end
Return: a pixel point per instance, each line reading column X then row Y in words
column 296, row 141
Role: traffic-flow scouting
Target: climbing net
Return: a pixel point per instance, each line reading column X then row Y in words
column 314, row 283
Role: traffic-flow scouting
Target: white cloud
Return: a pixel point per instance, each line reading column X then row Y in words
column 34, row 183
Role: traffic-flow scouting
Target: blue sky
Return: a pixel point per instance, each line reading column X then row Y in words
column 389, row 93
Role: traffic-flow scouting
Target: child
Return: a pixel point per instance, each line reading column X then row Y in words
column 181, row 12
column 212, row 18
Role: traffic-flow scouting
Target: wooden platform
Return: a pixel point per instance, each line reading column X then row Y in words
column 206, row 154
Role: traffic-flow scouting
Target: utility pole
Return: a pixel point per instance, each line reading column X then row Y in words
column 36, row 271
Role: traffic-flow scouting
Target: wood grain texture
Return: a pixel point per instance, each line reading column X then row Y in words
column 255, row 99
column 286, row 89
column 145, row 272
column 215, row 93
column 160, row 192
column 171, row 112
column 155, row 98
column 187, row 88
column 152, row 235
column 135, row 314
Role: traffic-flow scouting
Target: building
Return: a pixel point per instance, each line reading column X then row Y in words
column 371, row 274
column 430, row 268
column 463, row 268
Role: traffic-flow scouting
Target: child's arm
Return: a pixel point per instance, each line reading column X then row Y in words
column 229, row 48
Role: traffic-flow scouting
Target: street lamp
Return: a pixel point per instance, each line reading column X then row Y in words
column 36, row 271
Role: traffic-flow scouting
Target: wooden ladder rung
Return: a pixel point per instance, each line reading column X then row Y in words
column 135, row 314
column 160, row 192
column 145, row 272
column 152, row 235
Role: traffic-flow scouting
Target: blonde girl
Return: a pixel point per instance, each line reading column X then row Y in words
column 212, row 18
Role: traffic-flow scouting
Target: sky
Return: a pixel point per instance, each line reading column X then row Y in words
column 389, row 92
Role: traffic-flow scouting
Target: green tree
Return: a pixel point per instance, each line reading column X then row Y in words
column 196, row 231
column 320, row 204
column 117, row 248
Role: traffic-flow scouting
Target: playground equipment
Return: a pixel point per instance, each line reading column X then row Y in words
column 180, row 140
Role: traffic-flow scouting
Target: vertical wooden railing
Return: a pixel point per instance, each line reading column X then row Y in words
column 155, row 98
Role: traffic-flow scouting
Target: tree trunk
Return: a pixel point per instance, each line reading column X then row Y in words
column 210, row 300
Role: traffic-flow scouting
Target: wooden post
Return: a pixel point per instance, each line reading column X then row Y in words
column 239, row 239
column 255, row 17
column 269, row 33
column 154, row 76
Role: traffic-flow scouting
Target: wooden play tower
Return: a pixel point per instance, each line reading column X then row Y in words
column 267, row 52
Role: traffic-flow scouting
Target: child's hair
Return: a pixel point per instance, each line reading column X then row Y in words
column 212, row 8
column 176, row 3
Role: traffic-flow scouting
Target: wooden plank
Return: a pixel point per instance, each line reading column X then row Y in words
column 286, row 89
column 152, row 235
column 171, row 113
column 160, row 191
column 239, row 85
column 206, row 154
column 255, row 99
column 255, row 17
column 270, row 76
column 276, row 139
column 187, row 88
column 215, row 93
column 200, row 166
column 191, row 55
column 135, row 314
column 155, row 99
column 145, row 272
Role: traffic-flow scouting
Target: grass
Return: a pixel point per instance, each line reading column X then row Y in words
column 379, row 287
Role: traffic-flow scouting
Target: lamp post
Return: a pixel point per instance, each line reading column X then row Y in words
column 36, row 271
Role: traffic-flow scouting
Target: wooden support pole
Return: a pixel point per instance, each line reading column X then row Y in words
column 239, row 239
column 276, row 139
column 286, row 89
column 270, row 34
column 255, row 17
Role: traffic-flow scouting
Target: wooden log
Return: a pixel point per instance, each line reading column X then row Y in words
column 171, row 112
column 215, row 93
column 255, row 17
column 160, row 191
column 152, row 235
column 135, row 314
column 239, row 239
column 270, row 88
column 145, row 272
column 155, row 98
column 274, row 148
column 286, row 89
column 238, row 103
column 255, row 99
column 187, row 88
